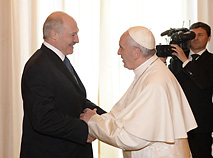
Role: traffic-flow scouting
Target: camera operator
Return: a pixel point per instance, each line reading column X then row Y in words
column 195, row 76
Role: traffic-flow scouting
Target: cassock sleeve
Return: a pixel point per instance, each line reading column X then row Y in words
column 106, row 129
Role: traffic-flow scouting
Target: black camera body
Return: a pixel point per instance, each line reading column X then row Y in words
column 179, row 36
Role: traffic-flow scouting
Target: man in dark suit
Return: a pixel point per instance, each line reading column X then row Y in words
column 54, row 98
column 195, row 74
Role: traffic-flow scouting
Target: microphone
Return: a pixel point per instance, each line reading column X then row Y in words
column 172, row 30
column 183, row 36
column 167, row 32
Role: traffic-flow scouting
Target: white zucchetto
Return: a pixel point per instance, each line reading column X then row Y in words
column 142, row 36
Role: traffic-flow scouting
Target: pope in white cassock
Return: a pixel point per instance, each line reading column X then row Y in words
column 153, row 117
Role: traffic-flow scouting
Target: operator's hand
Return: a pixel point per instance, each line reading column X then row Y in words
column 179, row 52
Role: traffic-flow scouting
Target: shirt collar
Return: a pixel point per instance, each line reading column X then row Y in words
column 199, row 53
column 55, row 50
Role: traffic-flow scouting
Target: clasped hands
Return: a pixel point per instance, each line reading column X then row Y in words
column 85, row 116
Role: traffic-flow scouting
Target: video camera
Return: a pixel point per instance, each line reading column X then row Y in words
column 180, row 36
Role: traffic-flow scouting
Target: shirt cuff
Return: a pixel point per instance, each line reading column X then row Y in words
column 185, row 63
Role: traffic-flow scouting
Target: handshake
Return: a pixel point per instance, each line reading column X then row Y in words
column 85, row 116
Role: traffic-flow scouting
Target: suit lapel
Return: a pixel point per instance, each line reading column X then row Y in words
column 204, row 55
column 59, row 63
column 80, row 84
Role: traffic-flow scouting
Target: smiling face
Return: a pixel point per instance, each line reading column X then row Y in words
column 61, row 31
column 200, row 41
column 126, row 51
column 68, row 36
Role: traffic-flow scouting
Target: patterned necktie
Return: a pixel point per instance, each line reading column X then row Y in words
column 69, row 66
column 195, row 57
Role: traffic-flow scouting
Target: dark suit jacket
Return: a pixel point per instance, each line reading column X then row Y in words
column 196, row 79
column 53, row 102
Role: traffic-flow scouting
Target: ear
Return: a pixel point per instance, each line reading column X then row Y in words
column 137, row 53
column 209, row 38
column 53, row 34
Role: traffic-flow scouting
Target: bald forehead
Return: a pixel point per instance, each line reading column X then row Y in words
column 58, row 21
column 58, row 14
column 61, row 15
column 124, row 37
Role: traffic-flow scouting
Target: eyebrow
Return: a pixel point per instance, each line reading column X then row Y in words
column 200, row 33
column 73, row 33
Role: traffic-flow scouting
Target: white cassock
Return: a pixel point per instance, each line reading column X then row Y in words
column 151, row 120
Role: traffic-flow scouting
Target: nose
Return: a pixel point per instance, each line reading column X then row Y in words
column 196, row 36
column 76, row 39
column 119, row 52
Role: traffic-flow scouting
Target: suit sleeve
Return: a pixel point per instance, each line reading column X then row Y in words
column 202, row 76
column 201, row 72
column 91, row 105
column 39, row 100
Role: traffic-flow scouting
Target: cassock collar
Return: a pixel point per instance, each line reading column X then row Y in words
column 143, row 67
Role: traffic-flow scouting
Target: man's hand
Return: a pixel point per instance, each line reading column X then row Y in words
column 88, row 113
column 179, row 52
column 90, row 139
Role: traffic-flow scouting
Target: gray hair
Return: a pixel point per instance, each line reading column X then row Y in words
column 52, row 22
column 146, row 52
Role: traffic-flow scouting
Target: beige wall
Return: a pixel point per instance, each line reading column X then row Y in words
column 10, row 97
column 205, row 14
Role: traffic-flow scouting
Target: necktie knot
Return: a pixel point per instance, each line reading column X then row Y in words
column 195, row 56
